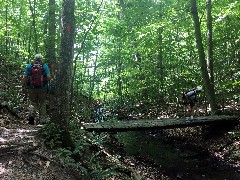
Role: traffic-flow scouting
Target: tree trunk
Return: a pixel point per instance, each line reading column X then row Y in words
column 32, row 9
column 50, row 48
column 160, row 59
column 119, row 78
column 209, row 40
column 119, row 64
column 61, row 112
column 208, row 85
column 6, row 30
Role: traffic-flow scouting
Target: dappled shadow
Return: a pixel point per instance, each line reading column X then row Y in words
column 24, row 156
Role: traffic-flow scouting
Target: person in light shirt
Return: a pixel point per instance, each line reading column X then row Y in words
column 190, row 100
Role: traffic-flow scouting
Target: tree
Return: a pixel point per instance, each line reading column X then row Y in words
column 140, row 46
column 209, row 40
column 61, row 113
column 34, row 25
column 6, row 31
column 50, row 42
column 208, row 85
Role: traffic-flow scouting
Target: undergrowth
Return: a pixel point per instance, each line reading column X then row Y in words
column 99, row 166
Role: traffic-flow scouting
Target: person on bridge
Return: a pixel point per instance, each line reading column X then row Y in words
column 190, row 99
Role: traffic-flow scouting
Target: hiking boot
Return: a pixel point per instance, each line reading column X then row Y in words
column 31, row 119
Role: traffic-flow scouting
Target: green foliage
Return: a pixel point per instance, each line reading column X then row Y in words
column 65, row 157
column 83, row 150
column 127, row 50
column 52, row 135
column 67, row 160
column 132, row 55
column 103, row 174
column 235, row 134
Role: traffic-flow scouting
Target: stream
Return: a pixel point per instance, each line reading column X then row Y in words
column 175, row 162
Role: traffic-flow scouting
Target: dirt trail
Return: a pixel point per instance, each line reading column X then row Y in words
column 23, row 155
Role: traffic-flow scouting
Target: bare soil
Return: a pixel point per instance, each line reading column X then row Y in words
column 23, row 155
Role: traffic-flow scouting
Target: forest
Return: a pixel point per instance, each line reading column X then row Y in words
column 132, row 59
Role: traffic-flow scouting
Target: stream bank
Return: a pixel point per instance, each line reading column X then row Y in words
column 175, row 160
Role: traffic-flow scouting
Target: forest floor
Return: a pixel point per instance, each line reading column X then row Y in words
column 24, row 156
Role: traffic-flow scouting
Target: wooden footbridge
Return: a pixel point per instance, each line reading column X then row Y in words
column 164, row 123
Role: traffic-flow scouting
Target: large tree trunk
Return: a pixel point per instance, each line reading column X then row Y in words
column 209, row 86
column 61, row 112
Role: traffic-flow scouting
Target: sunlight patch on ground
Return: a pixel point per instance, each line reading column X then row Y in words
column 3, row 170
column 14, row 136
column 2, row 140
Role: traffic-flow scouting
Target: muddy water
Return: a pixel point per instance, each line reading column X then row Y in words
column 175, row 162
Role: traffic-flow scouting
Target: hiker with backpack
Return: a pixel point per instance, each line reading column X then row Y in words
column 35, row 81
column 190, row 99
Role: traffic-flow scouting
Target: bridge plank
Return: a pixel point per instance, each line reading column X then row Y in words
column 164, row 123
